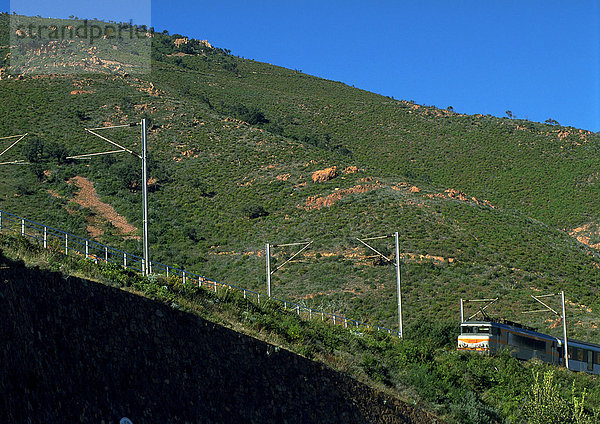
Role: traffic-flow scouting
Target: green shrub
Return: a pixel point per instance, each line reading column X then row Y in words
column 545, row 404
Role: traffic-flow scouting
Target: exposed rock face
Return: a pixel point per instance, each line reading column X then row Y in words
column 180, row 41
column 325, row 174
column 78, row 351
column 316, row 202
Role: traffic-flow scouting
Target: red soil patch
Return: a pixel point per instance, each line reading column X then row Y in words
column 413, row 257
column 583, row 234
column 88, row 198
column 351, row 170
column 459, row 195
column 316, row 202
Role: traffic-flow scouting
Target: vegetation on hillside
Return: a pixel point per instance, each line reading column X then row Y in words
column 481, row 203
column 424, row 368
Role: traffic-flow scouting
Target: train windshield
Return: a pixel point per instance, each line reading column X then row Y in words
column 476, row 329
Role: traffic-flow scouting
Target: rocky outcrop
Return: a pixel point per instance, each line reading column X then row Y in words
column 325, row 174
column 180, row 41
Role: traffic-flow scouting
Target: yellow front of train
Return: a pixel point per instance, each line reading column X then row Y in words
column 474, row 337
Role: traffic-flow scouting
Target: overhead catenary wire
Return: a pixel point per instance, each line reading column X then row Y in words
column 291, row 244
column 133, row 124
column 376, row 238
column 15, row 162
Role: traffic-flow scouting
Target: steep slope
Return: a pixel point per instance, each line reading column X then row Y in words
column 481, row 203
column 423, row 368
column 80, row 351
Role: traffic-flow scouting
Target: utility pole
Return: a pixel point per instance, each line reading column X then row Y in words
column 143, row 156
column 398, row 283
column 398, row 274
column 145, row 199
column 564, row 317
column 268, row 254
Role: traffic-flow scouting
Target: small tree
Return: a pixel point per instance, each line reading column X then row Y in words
column 253, row 211
column 509, row 114
column 34, row 150
column 38, row 170
column 55, row 151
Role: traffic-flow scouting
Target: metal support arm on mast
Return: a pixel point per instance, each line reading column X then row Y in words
column 143, row 157
column 14, row 162
column 398, row 271
column 268, row 257
column 563, row 316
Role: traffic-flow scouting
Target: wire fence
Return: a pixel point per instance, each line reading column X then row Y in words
column 70, row 244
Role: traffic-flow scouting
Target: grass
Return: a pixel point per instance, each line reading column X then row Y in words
column 424, row 369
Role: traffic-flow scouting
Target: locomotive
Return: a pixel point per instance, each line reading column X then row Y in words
column 490, row 337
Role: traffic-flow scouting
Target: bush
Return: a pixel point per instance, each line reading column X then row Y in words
column 546, row 405
column 253, row 211
column 471, row 410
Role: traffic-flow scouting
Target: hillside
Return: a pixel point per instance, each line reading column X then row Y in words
column 68, row 320
column 77, row 350
column 484, row 206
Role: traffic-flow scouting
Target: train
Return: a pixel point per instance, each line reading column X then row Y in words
column 491, row 336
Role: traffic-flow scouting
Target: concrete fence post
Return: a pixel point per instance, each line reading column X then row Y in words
column 124, row 260
column 45, row 238
column 22, row 227
column 87, row 249
column 66, row 244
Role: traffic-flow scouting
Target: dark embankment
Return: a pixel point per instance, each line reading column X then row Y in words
column 79, row 351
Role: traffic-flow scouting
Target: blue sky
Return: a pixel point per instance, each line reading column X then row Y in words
column 538, row 59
